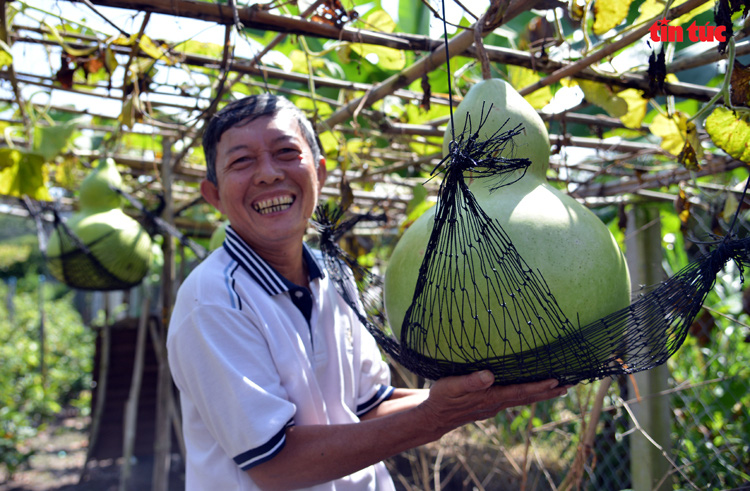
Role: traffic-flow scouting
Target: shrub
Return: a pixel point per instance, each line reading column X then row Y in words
column 30, row 397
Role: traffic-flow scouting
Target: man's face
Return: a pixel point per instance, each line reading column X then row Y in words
column 268, row 184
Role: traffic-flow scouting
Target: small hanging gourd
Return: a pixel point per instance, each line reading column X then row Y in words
column 104, row 249
column 564, row 241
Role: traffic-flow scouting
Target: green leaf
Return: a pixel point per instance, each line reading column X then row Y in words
column 49, row 141
column 6, row 59
column 22, row 174
column 602, row 95
column 211, row 50
column 330, row 145
column 730, row 132
column 379, row 20
column 154, row 51
column 692, row 151
column 315, row 110
column 300, row 62
column 387, row 58
column 520, row 77
column 609, row 14
column 416, row 207
column 413, row 17
column 75, row 52
column 127, row 115
column 147, row 46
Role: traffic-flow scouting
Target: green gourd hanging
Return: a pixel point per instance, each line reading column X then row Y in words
column 100, row 247
column 565, row 242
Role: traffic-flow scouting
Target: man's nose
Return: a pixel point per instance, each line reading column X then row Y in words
column 266, row 170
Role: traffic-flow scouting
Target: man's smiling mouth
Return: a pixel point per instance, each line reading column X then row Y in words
column 273, row 205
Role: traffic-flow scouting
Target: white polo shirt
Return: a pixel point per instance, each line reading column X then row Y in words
column 252, row 353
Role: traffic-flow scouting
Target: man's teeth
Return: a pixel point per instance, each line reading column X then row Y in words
column 273, row 205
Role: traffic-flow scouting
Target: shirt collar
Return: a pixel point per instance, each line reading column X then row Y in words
column 262, row 272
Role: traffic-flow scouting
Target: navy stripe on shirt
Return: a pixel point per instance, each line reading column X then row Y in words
column 256, row 267
column 265, row 452
column 383, row 393
column 267, row 277
column 229, row 281
column 262, row 272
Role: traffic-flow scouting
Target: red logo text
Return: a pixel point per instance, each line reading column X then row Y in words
column 662, row 31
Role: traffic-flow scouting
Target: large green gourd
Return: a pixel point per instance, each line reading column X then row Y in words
column 574, row 251
column 119, row 244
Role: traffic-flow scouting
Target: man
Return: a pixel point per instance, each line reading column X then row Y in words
column 281, row 387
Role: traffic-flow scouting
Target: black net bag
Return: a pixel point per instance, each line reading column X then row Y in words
column 448, row 329
column 358, row 286
column 115, row 259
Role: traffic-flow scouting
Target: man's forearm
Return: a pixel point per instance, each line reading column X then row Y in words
column 400, row 400
column 321, row 453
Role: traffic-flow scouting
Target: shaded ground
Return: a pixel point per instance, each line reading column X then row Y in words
column 59, row 455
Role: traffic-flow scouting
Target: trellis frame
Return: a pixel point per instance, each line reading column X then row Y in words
column 619, row 185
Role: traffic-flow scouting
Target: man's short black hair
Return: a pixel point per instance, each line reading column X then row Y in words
column 245, row 110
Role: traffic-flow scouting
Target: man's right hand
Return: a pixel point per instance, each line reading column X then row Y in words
column 456, row 401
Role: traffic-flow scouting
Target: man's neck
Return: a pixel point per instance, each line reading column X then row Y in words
column 289, row 262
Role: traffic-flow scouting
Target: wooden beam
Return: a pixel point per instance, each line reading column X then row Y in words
column 455, row 46
column 255, row 17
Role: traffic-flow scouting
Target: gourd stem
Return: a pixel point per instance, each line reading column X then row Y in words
column 723, row 93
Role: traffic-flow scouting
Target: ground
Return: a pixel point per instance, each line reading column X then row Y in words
column 60, row 452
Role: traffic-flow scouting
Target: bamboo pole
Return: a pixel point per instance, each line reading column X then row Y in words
column 163, row 438
column 608, row 49
column 659, row 179
column 101, row 387
column 456, row 46
column 710, row 55
column 6, row 38
column 130, row 423
column 255, row 17
column 495, row 54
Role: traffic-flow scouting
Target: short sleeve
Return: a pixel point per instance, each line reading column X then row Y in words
column 222, row 365
column 374, row 376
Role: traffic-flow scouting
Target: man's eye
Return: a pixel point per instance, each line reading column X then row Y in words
column 240, row 162
column 288, row 153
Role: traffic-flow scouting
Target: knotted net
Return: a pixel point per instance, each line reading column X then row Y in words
column 471, row 264
column 79, row 265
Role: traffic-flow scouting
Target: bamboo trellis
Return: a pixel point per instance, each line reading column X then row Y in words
column 388, row 168
column 262, row 18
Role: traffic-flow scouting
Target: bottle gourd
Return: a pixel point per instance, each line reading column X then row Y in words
column 572, row 249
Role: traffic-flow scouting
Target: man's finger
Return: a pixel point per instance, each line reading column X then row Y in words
column 478, row 381
column 523, row 392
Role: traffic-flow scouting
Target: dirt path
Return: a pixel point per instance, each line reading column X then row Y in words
column 59, row 455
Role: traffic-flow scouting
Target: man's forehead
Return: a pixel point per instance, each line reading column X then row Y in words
column 276, row 129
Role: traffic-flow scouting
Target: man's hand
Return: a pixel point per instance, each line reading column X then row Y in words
column 319, row 453
column 455, row 401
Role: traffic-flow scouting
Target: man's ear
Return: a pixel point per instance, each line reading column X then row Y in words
column 210, row 193
column 322, row 173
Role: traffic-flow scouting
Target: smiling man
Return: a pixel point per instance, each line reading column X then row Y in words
column 281, row 387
